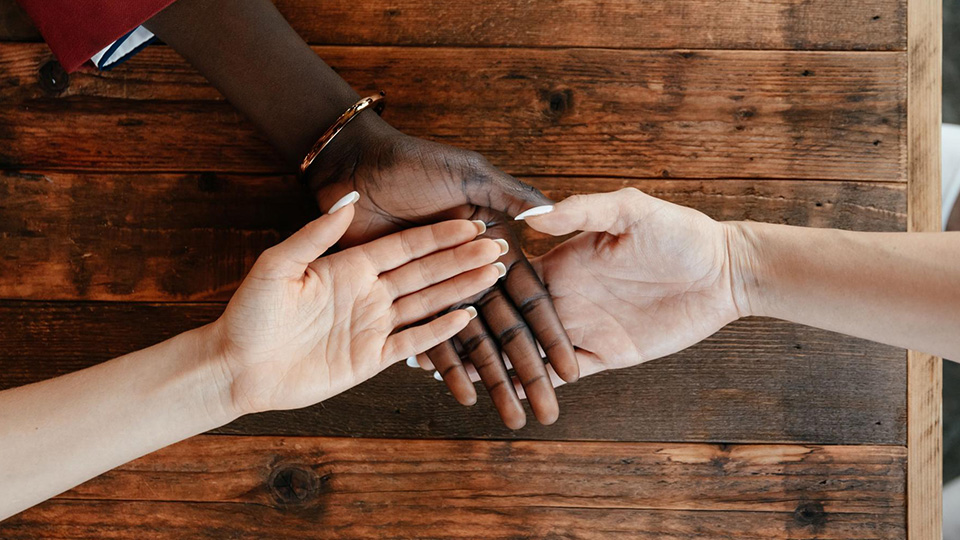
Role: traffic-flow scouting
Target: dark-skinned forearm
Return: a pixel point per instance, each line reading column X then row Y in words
column 251, row 54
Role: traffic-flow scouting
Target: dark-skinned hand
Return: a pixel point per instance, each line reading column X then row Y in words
column 404, row 182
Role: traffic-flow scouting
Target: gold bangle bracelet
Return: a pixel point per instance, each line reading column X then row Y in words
column 375, row 101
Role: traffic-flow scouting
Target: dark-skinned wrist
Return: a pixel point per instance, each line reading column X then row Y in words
column 365, row 133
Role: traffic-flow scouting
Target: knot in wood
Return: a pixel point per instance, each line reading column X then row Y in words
column 810, row 513
column 52, row 78
column 559, row 103
column 294, row 484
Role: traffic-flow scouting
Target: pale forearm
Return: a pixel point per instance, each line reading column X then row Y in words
column 902, row 289
column 59, row 433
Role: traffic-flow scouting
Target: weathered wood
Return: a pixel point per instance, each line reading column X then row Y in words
column 924, row 446
column 176, row 237
column 756, row 380
column 765, row 478
column 15, row 25
column 924, row 372
column 643, row 24
column 356, row 488
column 163, row 520
column 140, row 237
column 681, row 114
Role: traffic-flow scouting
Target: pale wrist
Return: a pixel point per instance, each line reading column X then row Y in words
column 213, row 379
column 744, row 249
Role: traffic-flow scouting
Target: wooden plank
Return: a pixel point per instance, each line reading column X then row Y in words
column 163, row 520
column 191, row 237
column 227, row 487
column 680, row 114
column 15, row 25
column 642, row 24
column 924, row 372
column 925, row 441
column 756, row 380
column 140, row 237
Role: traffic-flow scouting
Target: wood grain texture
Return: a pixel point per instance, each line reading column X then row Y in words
column 924, row 372
column 137, row 236
column 582, row 112
column 925, row 452
column 15, row 25
column 190, row 237
column 640, row 24
column 77, row 520
column 644, row 24
column 758, row 380
column 242, row 487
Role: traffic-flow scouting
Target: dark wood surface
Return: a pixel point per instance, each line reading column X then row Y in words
column 647, row 113
column 15, row 25
column 756, row 380
column 243, row 487
column 640, row 24
column 190, row 237
column 786, row 111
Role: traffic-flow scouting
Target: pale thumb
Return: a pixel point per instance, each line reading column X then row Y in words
column 599, row 212
column 304, row 246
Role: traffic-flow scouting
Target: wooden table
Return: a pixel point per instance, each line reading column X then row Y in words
column 133, row 201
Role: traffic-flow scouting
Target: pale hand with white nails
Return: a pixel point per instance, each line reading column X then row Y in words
column 301, row 329
column 651, row 278
column 298, row 330
column 646, row 279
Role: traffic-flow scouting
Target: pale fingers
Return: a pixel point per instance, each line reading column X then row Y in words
column 432, row 300
column 440, row 266
column 400, row 248
column 419, row 339
column 599, row 212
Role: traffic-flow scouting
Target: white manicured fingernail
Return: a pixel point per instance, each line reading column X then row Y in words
column 535, row 211
column 472, row 311
column 437, row 376
column 501, row 269
column 412, row 362
column 349, row 198
column 504, row 246
column 481, row 226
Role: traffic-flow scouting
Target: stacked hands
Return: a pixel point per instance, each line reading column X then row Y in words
column 643, row 279
column 429, row 272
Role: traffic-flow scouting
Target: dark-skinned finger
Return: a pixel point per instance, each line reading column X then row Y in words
column 481, row 350
column 517, row 343
column 445, row 359
column 536, row 307
column 494, row 189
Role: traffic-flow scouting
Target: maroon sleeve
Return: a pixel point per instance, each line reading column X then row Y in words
column 77, row 29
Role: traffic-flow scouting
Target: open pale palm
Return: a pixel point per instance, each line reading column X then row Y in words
column 302, row 329
column 647, row 279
